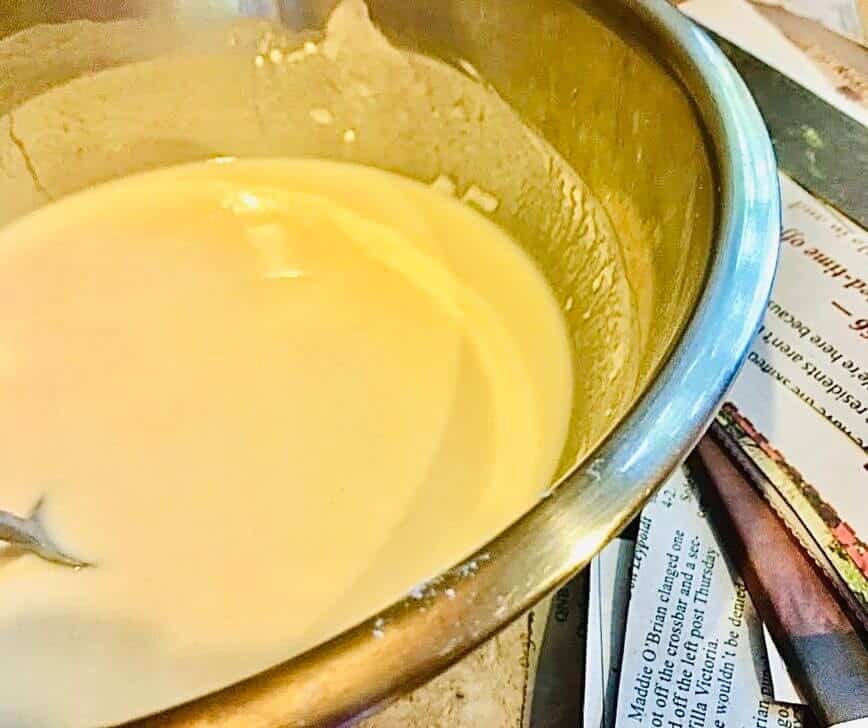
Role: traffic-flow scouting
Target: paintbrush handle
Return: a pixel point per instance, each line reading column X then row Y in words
column 823, row 650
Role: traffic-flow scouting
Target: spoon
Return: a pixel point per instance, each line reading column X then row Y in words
column 29, row 534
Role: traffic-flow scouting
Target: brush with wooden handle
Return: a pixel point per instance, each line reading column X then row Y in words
column 823, row 648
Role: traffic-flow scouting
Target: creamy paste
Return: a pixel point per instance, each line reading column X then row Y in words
column 266, row 398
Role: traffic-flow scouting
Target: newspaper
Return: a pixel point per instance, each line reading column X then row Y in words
column 609, row 577
column 784, row 688
column 694, row 655
column 556, row 661
column 844, row 17
column 695, row 651
column 800, row 407
column 741, row 23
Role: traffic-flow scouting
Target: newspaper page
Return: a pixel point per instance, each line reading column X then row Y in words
column 694, row 655
column 800, row 407
column 611, row 580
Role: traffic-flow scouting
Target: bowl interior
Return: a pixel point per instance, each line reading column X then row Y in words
column 549, row 115
column 577, row 141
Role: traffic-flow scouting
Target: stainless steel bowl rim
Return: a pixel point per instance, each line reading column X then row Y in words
column 396, row 650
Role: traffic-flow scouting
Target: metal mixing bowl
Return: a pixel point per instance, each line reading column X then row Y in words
column 652, row 117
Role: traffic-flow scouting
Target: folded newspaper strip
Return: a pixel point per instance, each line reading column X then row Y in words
column 693, row 652
column 611, row 579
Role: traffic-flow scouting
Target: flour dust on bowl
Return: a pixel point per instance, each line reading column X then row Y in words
column 338, row 334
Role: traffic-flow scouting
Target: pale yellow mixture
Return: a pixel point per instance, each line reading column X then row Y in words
column 266, row 398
